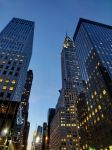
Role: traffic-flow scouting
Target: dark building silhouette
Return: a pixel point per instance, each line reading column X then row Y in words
column 37, row 139
column 16, row 41
column 45, row 137
column 51, row 113
column 93, row 43
column 25, row 107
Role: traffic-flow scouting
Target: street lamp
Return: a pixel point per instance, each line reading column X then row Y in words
column 46, row 138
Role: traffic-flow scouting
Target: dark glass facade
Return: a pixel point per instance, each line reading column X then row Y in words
column 92, row 35
column 45, row 137
column 25, row 107
column 93, row 40
column 51, row 114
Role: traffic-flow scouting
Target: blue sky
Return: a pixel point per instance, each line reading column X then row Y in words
column 53, row 18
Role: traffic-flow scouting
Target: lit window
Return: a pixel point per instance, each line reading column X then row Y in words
column 99, row 107
column 13, row 81
column 94, row 121
column 102, row 115
column 98, row 118
column 91, row 106
column 104, row 92
column 93, row 113
column 98, row 64
column 3, row 62
column 95, row 93
column 1, row 79
column 7, row 80
column 89, row 115
column 4, row 87
column 100, row 96
column 11, row 88
column 96, row 110
column 110, row 147
column 92, row 96
column 86, row 145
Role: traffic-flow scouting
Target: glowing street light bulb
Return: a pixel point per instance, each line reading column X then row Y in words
column 46, row 138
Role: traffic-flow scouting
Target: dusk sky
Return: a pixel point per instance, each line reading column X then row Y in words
column 53, row 18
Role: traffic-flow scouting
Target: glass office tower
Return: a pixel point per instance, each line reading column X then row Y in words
column 16, row 41
column 92, row 35
column 93, row 42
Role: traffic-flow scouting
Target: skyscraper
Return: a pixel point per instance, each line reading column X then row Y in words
column 25, row 107
column 37, row 139
column 64, row 126
column 45, row 137
column 16, row 41
column 51, row 114
column 91, row 35
column 93, row 42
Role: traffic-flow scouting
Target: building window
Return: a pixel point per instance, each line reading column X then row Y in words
column 16, row 74
column 11, row 88
column 1, row 94
column 9, row 62
column 18, row 68
column 7, row 80
column 12, row 68
column 4, row 72
column 10, row 72
column 13, row 81
column 95, row 93
column 4, row 87
column 1, row 66
column 104, row 92
column 8, row 95
column 99, row 107
column 7, row 67
column 96, row 110
column 102, row 115
column 1, row 79
column 3, row 62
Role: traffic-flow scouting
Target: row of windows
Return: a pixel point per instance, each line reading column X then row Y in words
column 10, row 88
column 69, row 125
column 2, row 95
column 7, row 81
column 15, row 62
column 10, row 73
